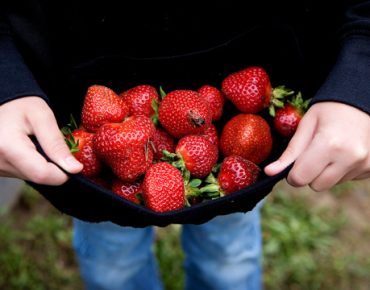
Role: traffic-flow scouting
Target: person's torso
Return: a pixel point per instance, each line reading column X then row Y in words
column 178, row 44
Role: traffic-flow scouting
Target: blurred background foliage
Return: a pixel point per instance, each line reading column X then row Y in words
column 311, row 241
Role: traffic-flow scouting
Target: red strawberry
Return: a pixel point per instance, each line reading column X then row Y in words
column 286, row 119
column 125, row 146
column 215, row 100
column 211, row 134
column 196, row 154
column 81, row 145
column 163, row 188
column 162, row 141
column 247, row 135
column 183, row 112
column 102, row 105
column 140, row 98
column 236, row 173
column 250, row 90
column 126, row 190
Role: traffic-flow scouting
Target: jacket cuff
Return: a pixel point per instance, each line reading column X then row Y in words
column 349, row 80
column 16, row 80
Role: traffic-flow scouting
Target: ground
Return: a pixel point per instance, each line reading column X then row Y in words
column 311, row 241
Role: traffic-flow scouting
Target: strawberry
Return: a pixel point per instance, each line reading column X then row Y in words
column 163, row 188
column 125, row 146
column 286, row 119
column 215, row 100
column 235, row 173
column 183, row 112
column 211, row 134
column 250, row 90
column 162, row 141
column 247, row 135
column 80, row 143
column 126, row 190
column 140, row 98
column 197, row 154
column 102, row 105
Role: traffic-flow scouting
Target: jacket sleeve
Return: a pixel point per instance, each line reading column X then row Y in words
column 16, row 80
column 349, row 80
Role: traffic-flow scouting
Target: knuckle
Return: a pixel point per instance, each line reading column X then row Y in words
column 360, row 153
column 335, row 145
column 296, row 179
column 40, row 176
column 318, row 187
column 57, row 147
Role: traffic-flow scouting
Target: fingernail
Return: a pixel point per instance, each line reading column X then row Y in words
column 272, row 168
column 272, row 165
column 72, row 162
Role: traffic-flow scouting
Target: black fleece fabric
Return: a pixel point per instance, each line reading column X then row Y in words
column 56, row 50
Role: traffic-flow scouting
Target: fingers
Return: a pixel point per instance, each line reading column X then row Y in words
column 326, row 161
column 309, row 164
column 18, row 156
column 358, row 173
column 21, row 161
column 296, row 146
column 329, row 177
column 327, row 150
column 46, row 130
column 362, row 176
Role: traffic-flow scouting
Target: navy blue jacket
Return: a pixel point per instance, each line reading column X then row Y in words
column 47, row 49
column 55, row 50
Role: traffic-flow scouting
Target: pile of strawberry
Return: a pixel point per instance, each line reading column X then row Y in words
column 163, row 150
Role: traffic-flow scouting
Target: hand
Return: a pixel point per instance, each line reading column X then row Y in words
column 19, row 158
column 330, row 146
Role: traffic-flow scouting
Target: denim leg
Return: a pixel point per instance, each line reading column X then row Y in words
column 115, row 258
column 225, row 253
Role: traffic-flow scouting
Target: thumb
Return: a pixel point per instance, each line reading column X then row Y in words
column 296, row 146
column 52, row 142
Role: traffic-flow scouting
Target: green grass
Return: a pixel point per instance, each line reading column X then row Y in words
column 305, row 247
column 298, row 243
column 170, row 257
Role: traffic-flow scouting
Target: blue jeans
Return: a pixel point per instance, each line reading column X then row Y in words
column 223, row 254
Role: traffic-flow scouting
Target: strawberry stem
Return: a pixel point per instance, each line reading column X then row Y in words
column 72, row 123
column 155, row 107
column 162, row 93
column 298, row 102
column 70, row 140
column 277, row 98
column 212, row 190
